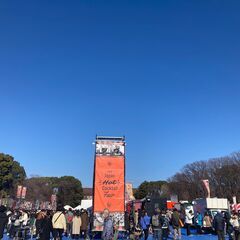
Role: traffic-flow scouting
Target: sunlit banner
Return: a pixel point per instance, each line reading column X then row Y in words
column 109, row 181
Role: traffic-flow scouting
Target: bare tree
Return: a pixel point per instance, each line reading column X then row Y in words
column 222, row 173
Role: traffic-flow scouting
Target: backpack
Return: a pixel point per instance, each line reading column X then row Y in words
column 165, row 222
column 69, row 217
column 155, row 220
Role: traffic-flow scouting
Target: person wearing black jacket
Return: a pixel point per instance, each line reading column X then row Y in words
column 165, row 225
column 44, row 225
column 229, row 227
column 3, row 220
column 219, row 225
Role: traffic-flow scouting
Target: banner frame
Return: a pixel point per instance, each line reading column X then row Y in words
column 113, row 139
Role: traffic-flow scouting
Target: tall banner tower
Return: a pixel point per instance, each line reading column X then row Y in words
column 109, row 181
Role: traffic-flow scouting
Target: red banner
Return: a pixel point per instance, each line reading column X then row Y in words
column 207, row 187
column 24, row 192
column 19, row 191
column 109, row 183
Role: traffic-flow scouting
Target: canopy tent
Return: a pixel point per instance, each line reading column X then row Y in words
column 85, row 204
column 67, row 207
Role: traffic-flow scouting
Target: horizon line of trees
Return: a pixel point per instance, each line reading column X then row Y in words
column 12, row 174
column 222, row 173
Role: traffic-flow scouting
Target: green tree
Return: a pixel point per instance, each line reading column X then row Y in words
column 70, row 190
column 40, row 188
column 146, row 188
column 11, row 174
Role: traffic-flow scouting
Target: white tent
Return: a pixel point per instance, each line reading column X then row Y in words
column 67, row 207
column 85, row 204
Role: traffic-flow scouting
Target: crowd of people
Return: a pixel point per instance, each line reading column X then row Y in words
column 46, row 224
column 165, row 223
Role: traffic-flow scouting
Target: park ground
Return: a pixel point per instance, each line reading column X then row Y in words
column 184, row 237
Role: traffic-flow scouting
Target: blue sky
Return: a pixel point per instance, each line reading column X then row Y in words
column 163, row 73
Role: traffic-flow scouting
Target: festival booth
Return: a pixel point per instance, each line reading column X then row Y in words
column 211, row 205
column 86, row 204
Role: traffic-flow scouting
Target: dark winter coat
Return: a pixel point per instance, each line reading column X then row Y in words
column 44, row 228
column 219, row 222
column 3, row 223
column 127, row 221
column 175, row 219
column 85, row 221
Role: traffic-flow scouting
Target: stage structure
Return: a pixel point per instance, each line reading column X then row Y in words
column 109, row 181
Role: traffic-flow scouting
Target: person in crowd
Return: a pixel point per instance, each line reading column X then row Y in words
column 219, row 225
column 69, row 221
column 24, row 220
column 32, row 224
column 136, row 217
column 131, row 217
column 127, row 218
column 44, row 225
column 76, row 225
column 85, row 223
column 145, row 221
column 59, row 223
column 189, row 221
column 176, row 224
column 229, row 227
column 207, row 223
column 199, row 222
column 235, row 223
column 165, row 226
column 38, row 223
column 137, row 232
column 157, row 224
column 116, row 231
column 140, row 211
column 23, row 217
column 3, row 220
column 169, row 215
column 15, row 224
column 131, row 231
column 9, row 214
column 181, row 221
column 107, row 233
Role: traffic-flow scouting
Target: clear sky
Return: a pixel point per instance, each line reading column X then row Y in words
column 163, row 73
